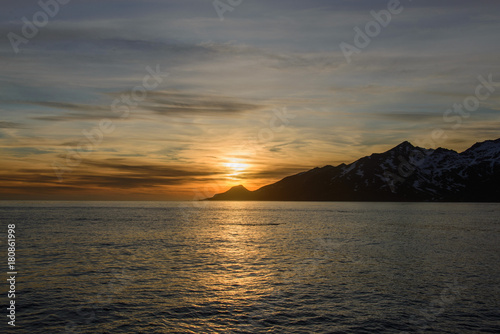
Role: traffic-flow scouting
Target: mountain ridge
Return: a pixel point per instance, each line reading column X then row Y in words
column 403, row 173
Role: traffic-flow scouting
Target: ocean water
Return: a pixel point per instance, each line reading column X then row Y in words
column 254, row 267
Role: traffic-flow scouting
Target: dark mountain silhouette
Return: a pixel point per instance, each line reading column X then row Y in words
column 237, row 193
column 404, row 173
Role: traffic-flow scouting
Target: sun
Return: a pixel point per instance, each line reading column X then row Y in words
column 236, row 166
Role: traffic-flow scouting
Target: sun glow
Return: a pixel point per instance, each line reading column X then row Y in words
column 236, row 167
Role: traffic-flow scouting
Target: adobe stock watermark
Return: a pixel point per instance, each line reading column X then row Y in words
column 94, row 136
column 436, row 307
column 454, row 116
column 29, row 30
column 372, row 29
column 223, row 6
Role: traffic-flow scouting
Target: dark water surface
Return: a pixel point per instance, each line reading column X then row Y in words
column 254, row 267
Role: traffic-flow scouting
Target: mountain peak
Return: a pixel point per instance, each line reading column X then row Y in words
column 239, row 187
column 238, row 193
column 404, row 147
column 405, row 144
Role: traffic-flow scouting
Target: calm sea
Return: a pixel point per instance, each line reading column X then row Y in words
column 254, row 267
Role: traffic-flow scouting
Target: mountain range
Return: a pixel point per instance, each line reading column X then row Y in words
column 403, row 173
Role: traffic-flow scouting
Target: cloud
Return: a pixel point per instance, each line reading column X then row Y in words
column 170, row 102
column 122, row 166
column 69, row 106
column 159, row 102
column 10, row 125
column 24, row 151
column 408, row 117
column 80, row 112
column 110, row 174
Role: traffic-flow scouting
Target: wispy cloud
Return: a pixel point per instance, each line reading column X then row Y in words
column 168, row 102
column 10, row 125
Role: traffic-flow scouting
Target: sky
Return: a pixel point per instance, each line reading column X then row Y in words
column 181, row 99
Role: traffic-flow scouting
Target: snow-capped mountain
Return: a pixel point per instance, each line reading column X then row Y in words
column 404, row 173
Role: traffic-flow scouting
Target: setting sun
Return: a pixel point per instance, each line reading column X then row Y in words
column 236, row 166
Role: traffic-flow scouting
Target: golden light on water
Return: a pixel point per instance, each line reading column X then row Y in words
column 236, row 250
